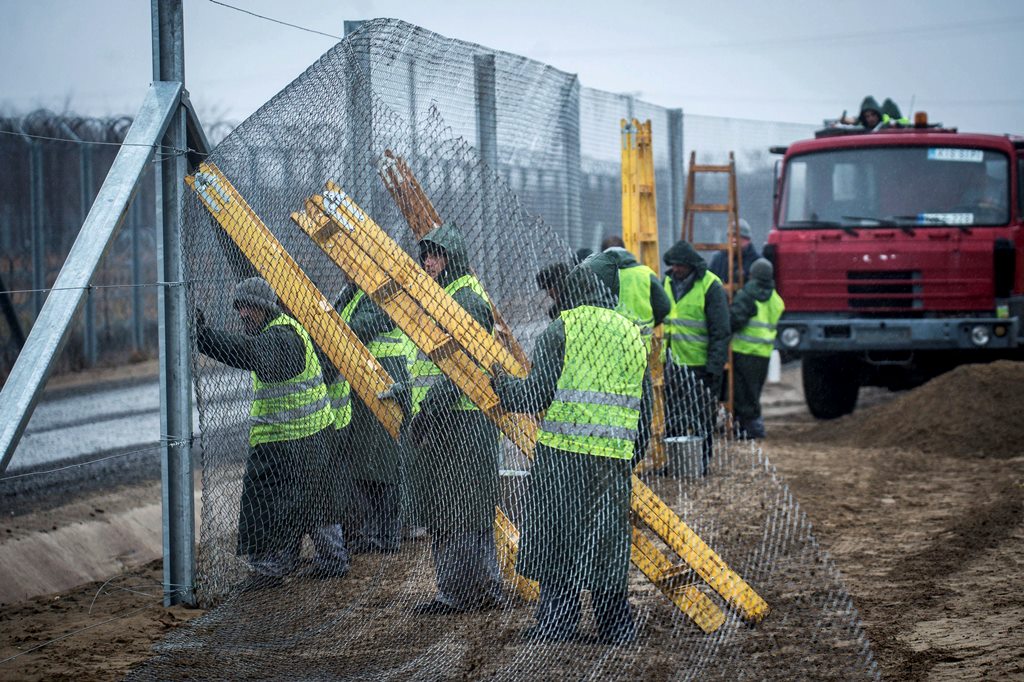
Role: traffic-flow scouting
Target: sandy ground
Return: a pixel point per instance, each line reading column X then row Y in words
column 924, row 520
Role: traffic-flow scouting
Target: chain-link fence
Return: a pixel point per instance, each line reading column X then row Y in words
column 52, row 168
column 420, row 423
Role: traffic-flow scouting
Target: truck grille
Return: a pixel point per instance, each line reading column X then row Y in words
column 884, row 290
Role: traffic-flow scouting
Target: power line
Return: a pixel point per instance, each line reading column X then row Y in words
column 276, row 21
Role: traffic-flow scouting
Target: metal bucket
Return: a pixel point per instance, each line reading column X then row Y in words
column 684, row 456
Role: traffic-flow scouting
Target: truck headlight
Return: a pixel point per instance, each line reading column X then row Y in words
column 980, row 335
column 790, row 337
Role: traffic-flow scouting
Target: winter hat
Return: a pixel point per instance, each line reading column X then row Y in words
column 762, row 270
column 745, row 229
column 256, row 292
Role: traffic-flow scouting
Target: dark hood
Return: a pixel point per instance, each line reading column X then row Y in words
column 449, row 238
column 683, row 253
column 620, row 257
column 585, row 285
column 760, row 289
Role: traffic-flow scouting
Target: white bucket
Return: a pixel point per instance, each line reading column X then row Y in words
column 775, row 367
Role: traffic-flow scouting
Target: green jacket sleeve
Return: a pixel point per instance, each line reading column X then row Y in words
column 660, row 303
column 535, row 392
column 742, row 309
column 275, row 354
column 444, row 394
column 369, row 321
column 716, row 312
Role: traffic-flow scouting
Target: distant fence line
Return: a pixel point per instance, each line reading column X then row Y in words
column 50, row 174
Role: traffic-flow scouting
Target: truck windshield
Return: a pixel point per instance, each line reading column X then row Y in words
column 896, row 187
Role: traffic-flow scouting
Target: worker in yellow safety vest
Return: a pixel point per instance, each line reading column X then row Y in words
column 641, row 297
column 588, row 378
column 291, row 461
column 375, row 459
column 455, row 452
column 753, row 317
column 697, row 336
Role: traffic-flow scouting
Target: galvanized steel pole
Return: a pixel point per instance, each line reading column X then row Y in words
column 573, row 212
column 175, row 370
column 677, row 177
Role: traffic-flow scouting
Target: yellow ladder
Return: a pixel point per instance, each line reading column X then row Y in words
column 730, row 208
column 640, row 234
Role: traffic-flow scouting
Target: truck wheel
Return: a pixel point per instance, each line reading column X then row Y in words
column 831, row 384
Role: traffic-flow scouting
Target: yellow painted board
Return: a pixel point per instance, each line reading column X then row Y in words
column 404, row 308
column 660, row 518
column 689, row 599
column 506, row 538
column 431, row 296
column 305, row 302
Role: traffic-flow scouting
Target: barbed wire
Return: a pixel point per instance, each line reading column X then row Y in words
column 276, row 21
column 174, row 151
column 155, row 448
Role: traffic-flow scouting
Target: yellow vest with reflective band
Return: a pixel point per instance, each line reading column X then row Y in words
column 424, row 372
column 291, row 409
column 340, row 390
column 635, row 299
column 758, row 337
column 686, row 327
column 596, row 408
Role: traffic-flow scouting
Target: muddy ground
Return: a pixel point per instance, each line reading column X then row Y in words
column 917, row 497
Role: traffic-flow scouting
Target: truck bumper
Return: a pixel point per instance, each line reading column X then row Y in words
column 843, row 335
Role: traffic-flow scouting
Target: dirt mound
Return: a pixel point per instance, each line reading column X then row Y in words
column 972, row 411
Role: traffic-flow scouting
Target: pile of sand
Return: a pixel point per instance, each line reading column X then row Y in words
column 972, row 411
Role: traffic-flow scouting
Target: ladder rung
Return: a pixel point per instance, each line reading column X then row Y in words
column 710, row 168
column 709, row 208
column 710, row 246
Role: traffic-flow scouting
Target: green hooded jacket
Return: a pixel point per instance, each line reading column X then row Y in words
column 623, row 260
column 716, row 303
column 576, row 530
column 455, row 472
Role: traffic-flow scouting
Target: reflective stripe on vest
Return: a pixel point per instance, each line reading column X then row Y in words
column 758, row 337
column 424, row 372
column 686, row 329
column 291, row 409
column 635, row 299
column 596, row 407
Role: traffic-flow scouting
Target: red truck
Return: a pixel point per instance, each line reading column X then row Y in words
column 899, row 253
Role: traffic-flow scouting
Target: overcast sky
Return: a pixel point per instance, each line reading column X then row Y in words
column 799, row 61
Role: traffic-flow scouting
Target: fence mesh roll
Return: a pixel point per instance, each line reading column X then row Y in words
column 361, row 524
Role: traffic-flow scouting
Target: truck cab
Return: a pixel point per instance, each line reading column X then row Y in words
column 899, row 253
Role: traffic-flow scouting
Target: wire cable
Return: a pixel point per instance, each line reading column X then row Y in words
column 170, row 151
column 276, row 21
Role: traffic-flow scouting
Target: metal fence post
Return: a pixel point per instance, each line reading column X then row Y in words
column 360, row 112
column 135, row 213
column 572, row 214
column 486, row 99
column 677, row 177
column 175, row 370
